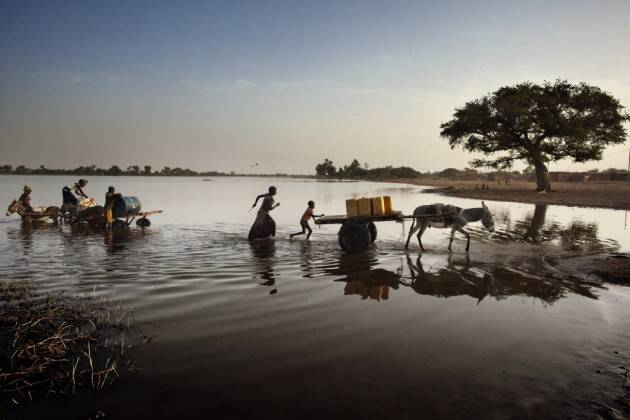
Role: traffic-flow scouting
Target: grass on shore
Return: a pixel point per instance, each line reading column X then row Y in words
column 55, row 344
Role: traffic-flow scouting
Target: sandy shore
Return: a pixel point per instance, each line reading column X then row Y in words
column 615, row 195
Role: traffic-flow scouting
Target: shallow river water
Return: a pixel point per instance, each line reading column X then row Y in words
column 292, row 329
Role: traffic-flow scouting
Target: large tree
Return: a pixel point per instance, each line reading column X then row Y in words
column 538, row 124
column 326, row 168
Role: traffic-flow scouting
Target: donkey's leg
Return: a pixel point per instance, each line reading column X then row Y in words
column 411, row 232
column 450, row 242
column 462, row 230
column 423, row 227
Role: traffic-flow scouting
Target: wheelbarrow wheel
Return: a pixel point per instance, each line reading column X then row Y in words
column 143, row 222
column 373, row 232
column 354, row 237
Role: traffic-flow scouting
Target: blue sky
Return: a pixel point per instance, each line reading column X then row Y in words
column 222, row 85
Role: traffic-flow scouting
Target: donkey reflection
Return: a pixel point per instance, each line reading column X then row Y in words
column 447, row 216
column 451, row 281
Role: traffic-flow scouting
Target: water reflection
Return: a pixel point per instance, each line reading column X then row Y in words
column 454, row 280
column 534, row 227
column 264, row 253
column 456, row 275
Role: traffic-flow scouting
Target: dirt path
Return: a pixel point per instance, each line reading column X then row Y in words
column 615, row 195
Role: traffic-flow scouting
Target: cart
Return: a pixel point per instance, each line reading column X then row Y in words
column 140, row 218
column 357, row 233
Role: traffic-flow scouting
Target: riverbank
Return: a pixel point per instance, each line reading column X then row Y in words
column 614, row 195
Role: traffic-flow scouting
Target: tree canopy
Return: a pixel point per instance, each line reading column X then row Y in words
column 326, row 169
column 538, row 124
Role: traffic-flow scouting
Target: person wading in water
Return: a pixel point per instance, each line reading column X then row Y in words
column 110, row 198
column 264, row 226
column 308, row 215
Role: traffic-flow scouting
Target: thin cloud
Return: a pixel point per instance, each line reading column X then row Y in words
column 245, row 84
column 66, row 78
column 115, row 78
column 302, row 83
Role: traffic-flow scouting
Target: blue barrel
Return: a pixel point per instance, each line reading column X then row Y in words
column 126, row 206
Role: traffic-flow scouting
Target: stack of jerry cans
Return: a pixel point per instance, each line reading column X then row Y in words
column 375, row 206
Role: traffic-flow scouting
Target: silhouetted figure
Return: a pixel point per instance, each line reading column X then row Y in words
column 308, row 215
column 264, row 226
column 110, row 198
column 78, row 188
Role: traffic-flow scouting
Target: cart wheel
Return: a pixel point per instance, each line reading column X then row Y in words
column 143, row 222
column 354, row 237
column 373, row 232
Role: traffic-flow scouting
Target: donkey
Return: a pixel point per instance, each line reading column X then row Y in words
column 447, row 216
column 51, row 212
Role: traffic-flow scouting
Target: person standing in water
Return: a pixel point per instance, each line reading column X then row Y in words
column 264, row 226
column 308, row 215
column 110, row 198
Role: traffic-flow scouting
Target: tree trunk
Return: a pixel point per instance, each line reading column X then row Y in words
column 542, row 177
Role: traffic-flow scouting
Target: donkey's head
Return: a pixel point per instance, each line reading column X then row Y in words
column 14, row 207
column 486, row 220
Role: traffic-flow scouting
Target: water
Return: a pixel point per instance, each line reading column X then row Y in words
column 300, row 329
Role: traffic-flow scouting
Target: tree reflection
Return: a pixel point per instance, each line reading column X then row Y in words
column 575, row 236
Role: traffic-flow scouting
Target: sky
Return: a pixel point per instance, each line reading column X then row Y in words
column 213, row 85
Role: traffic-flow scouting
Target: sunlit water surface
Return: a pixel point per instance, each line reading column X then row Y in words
column 289, row 328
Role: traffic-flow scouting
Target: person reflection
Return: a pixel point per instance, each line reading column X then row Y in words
column 264, row 258
column 306, row 252
column 116, row 240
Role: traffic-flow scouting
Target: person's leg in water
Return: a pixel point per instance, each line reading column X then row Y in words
column 305, row 227
column 273, row 225
column 298, row 233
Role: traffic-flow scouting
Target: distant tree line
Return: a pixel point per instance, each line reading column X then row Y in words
column 327, row 169
column 115, row 170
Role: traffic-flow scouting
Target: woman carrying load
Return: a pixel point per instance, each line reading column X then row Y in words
column 264, row 226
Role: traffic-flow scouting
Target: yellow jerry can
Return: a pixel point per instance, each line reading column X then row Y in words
column 378, row 206
column 387, row 201
column 365, row 208
column 352, row 208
